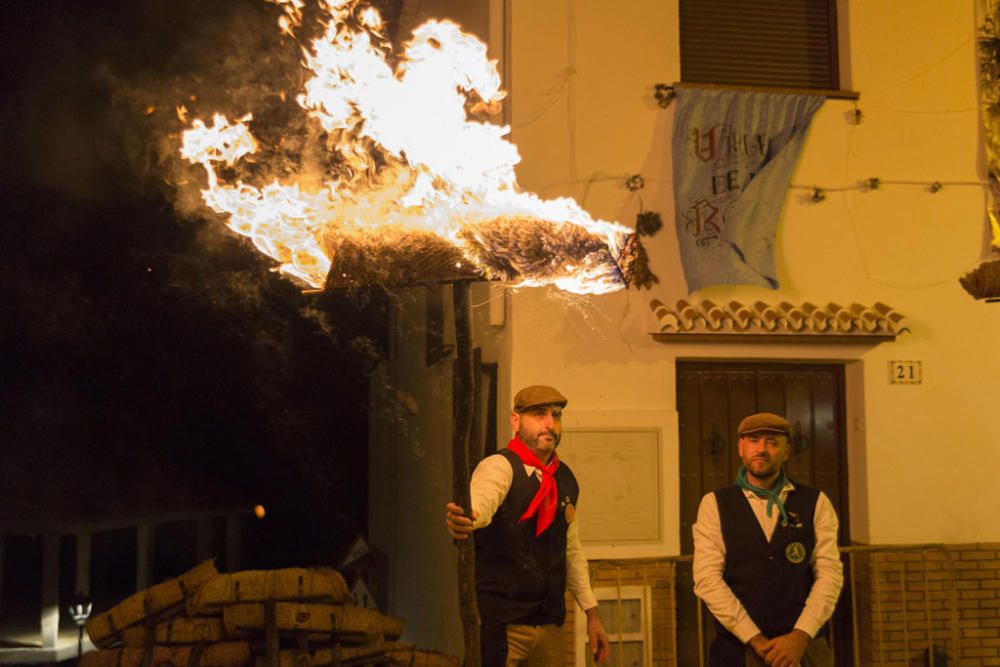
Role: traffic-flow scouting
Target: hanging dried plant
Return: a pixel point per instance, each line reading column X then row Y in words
column 642, row 276
column 648, row 223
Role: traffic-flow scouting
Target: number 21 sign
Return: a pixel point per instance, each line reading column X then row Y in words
column 905, row 372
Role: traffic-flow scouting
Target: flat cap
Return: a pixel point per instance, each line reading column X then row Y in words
column 536, row 395
column 764, row 422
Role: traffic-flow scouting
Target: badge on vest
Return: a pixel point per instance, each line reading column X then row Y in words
column 795, row 552
column 570, row 511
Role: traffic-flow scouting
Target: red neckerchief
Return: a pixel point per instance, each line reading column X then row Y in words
column 545, row 501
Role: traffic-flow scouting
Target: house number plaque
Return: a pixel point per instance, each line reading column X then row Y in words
column 905, row 372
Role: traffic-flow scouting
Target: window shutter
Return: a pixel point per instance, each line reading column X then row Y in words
column 768, row 43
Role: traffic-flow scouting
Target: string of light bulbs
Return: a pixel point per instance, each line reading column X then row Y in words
column 875, row 183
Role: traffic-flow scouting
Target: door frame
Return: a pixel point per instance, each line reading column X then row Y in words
column 849, row 396
column 841, row 405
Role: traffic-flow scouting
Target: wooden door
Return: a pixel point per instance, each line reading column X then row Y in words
column 712, row 398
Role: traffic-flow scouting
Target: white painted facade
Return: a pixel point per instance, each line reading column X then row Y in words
column 581, row 108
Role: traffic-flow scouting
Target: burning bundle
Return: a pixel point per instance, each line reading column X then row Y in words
column 292, row 617
column 523, row 251
column 532, row 251
column 415, row 188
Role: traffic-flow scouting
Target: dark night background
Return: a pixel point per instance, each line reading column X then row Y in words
column 150, row 361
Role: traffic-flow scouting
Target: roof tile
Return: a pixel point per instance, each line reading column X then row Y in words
column 784, row 317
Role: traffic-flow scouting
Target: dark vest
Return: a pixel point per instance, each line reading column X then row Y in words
column 521, row 578
column 771, row 579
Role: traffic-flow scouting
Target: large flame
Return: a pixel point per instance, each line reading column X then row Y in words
column 406, row 156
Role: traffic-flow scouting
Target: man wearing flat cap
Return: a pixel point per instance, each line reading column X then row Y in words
column 766, row 562
column 528, row 550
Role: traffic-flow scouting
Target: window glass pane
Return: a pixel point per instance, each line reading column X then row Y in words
column 631, row 616
column 625, row 618
column 607, row 610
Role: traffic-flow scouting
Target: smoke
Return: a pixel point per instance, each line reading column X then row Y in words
column 147, row 348
column 93, row 89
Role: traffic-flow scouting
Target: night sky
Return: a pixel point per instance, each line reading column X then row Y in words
column 150, row 361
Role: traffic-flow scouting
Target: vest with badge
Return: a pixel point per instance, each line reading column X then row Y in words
column 771, row 579
column 521, row 578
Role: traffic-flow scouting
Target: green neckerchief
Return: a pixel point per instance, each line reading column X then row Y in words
column 773, row 494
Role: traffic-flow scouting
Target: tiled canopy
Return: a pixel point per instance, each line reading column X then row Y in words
column 759, row 318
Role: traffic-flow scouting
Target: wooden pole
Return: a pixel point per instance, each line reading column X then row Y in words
column 83, row 551
column 1, row 569
column 145, row 534
column 462, row 408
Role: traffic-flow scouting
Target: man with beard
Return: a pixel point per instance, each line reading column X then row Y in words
column 765, row 557
column 528, row 549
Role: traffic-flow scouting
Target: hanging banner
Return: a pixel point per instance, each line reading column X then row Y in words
column 733, row 156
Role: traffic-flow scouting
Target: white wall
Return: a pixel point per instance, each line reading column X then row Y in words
column 583, row 116
column 410, row 455
column 410, row 467
column 920, row 456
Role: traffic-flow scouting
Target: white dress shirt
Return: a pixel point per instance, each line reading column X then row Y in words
column 710, row 561
column 491, row 480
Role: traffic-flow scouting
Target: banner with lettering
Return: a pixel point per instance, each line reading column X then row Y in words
column 733, row 156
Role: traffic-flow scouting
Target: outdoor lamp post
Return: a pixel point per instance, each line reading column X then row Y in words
column 79, row 609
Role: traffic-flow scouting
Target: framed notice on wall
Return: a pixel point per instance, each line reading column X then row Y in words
column 620, row 462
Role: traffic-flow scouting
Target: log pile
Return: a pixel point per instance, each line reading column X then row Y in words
column 293, row 617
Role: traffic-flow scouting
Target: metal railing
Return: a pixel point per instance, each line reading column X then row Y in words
column 884, row 564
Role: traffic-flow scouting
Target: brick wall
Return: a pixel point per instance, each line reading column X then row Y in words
column 906, row 599
column 909, row 599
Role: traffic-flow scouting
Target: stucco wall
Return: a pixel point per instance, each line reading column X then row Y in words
column 410, row 466
column 410, row 449
column 920, row 456
column 583, row 116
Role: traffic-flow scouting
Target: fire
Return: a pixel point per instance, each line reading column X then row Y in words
column 407, row 159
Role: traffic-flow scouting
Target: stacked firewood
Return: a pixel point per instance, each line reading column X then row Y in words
column 292, row 617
